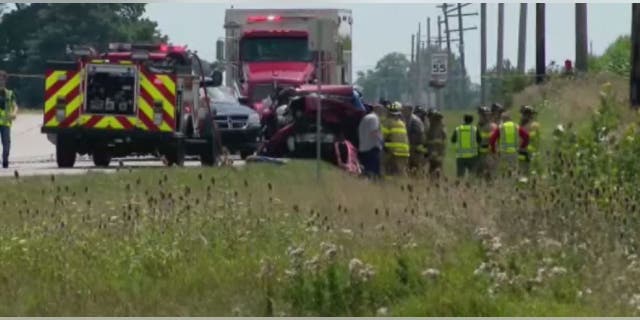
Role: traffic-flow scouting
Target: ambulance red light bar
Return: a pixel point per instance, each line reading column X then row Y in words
column 254, row 19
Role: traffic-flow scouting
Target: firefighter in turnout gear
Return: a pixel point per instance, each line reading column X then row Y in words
column 416, row 135
column 436, row 142
column 486, row 160
column 528, row 123
column 8, row 113
column 511, row 139
column 396, row 141
column 466, row 138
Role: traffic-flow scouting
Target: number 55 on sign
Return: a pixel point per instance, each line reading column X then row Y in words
column 439, row 64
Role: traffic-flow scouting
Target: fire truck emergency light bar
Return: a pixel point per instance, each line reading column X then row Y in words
column 150, row 47
column 253, row 19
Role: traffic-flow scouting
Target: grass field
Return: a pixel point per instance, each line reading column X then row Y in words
column 269, row 240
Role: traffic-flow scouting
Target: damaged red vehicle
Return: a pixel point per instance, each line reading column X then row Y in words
column 295, row 136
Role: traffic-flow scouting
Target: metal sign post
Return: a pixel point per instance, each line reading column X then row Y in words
column 318, row 43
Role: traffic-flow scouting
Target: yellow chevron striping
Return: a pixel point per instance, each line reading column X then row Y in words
column 155, row 94
column 53, row 78
column 73, row 83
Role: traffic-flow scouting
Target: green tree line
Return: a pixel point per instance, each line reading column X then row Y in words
column 31, row 34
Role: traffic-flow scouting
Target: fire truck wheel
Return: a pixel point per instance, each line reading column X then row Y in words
column 245, row 154
column 176, row 156
column 101, row 157
column 65, row 152
column 207, row 156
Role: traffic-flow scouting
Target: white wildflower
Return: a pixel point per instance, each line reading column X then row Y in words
column 382, row 312
column 367, row 273
column 330, row 249
column 501, row 277
column 291, row 272
column 347, row 232
column 558, row 271
column 295, row 252
column 496, row 244
column 312, row 264
column 431, row 273
column 355, row 265
column 480, row 269
column 634, row 301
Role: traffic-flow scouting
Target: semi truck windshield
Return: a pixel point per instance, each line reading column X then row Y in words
column 275, row 49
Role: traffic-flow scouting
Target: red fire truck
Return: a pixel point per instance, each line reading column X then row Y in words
column 267, row 48
column 130, row 100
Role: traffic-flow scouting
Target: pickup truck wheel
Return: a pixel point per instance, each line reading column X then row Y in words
column 65, row 152
column 101, row 157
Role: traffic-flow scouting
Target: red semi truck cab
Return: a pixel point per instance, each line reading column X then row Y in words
column 265, row 49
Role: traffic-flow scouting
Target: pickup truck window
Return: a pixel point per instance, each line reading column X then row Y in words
column 275, row 49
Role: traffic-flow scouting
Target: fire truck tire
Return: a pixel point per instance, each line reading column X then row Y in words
column 65, row 152
column 101, row 157
column 207, row 156
column 245, row 154
column 176, row 156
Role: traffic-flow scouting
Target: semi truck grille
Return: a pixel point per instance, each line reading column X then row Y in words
column 231, row 122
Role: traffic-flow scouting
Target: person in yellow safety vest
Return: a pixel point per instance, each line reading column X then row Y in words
column 8, row 113
column 396, row 141
column 512, row 139
column 486, row 161
column 532, row 127
column 415, row 133
column 466, row 137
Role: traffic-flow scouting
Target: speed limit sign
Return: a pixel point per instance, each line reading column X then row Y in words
column 439, row 64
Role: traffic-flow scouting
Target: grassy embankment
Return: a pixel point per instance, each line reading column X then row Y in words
column 266, row 240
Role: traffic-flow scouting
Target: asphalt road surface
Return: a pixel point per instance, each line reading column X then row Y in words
column 32, row 154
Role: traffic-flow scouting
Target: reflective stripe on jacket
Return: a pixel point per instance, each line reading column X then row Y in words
column 395, row 137
column 485, row 136
column 534, row 137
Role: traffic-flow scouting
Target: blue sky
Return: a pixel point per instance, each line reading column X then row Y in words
column 380, row 28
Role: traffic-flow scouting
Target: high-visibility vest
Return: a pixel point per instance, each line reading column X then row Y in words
column 394, row 133
column 5, row 113
column 509, row 138
column 466, row 146
column 485, row 136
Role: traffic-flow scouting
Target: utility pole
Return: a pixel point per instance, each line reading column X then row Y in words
column 418, row 94
column 500, row 37
column 439, row 32
column 413, row 42
column 428, row 34
column 483, row 52
column 635, row 56
column 540, row 43
column 522, row 38
column 461, row 39
column 581, row 37
column 428, row 58
column 446, row 28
